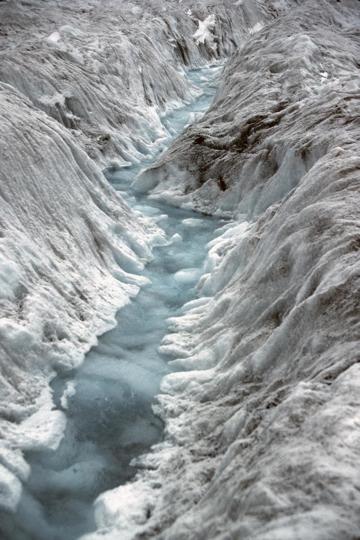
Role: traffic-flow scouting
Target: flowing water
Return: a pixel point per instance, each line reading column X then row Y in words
column 108, row 404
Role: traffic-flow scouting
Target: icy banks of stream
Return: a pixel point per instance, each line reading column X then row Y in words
column 84, row 440
column 79, row 83
column 262, row 428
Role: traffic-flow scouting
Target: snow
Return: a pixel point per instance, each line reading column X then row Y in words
column 204, row 34
column 69, row 392
column 258, row 26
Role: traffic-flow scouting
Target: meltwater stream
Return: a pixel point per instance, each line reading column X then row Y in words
column 108, row 399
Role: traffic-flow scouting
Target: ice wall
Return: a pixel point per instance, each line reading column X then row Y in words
column 288, row 96
column 107, row 70
column 70, row 252
column 262, row 438
column 79, row 80
column 263, row 425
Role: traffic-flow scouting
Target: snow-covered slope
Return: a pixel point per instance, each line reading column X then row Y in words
column 263, row 424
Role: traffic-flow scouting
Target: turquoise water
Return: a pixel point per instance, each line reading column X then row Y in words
column 109, row 415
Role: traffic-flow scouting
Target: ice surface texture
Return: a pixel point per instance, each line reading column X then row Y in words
column 289, row 97
column 77, row 80
column 106, row 70
column 69, row 259
column 107, row 400
column 263, row 428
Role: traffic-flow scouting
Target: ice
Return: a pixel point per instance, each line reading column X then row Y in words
column 54, row 37
column 10, row 489
column 204, row 34
column 190, row 275
column 116, row 69
column 176, row 238
column 257, row 429
column 124, row 507
column 69, row 392
column 258, row 26
column 10, row 277
column 103, row 415
column 43, row 429
column 258, row 418
column 191, row 222
column 108, row 400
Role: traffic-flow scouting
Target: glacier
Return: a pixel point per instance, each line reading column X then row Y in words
column 106, row 401
column 260, row 407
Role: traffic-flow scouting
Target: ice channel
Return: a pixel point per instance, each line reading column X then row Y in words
column 108, row 399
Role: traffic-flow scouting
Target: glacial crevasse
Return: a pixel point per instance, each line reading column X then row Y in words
column 263, row 426
column 79, row 83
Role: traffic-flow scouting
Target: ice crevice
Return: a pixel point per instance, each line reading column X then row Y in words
column 74, row 253
column 262, row 426
column 258, row 397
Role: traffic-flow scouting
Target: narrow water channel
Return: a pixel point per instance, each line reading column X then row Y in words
column 108, row 403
